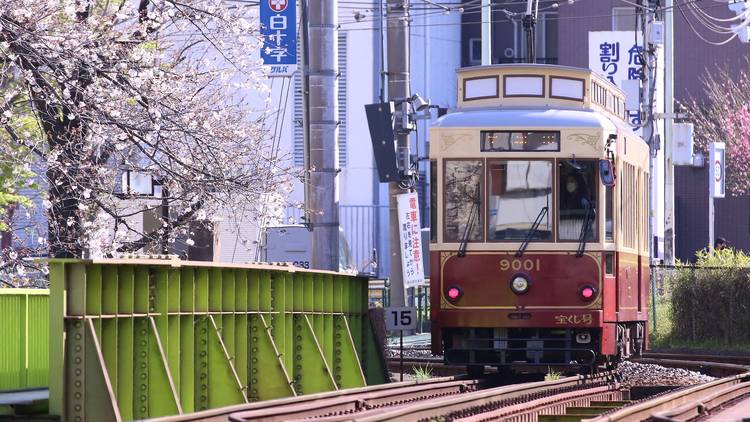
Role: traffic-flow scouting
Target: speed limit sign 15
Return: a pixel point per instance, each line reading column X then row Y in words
column 399, row 319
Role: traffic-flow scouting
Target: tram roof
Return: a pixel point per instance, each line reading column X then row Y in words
column 527, row 118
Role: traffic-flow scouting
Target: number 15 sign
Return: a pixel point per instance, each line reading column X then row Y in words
column 400, row 319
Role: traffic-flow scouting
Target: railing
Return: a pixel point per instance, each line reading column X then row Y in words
column 366, row 230
column 137, row 339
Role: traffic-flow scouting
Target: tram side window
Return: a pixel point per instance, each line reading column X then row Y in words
column 520, row 192
column 462, row 200
column 577, row 199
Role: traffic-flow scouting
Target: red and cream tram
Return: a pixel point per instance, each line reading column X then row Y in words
column 539, row 252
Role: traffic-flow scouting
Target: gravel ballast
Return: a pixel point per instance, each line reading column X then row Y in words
column 633, row 373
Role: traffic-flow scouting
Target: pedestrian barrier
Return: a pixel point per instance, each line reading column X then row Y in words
column 135, row 339
column 24, row 338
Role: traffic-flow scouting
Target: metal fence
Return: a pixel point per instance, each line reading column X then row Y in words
column 366, row 231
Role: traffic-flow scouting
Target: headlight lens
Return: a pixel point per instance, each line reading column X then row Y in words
column 520, row 284
column 454, row 293
column 588, row 292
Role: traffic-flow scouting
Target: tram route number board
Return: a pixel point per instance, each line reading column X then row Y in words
column 401, row 318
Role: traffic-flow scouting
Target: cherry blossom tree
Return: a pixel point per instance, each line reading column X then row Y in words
column 725, row 117
column 160, row 88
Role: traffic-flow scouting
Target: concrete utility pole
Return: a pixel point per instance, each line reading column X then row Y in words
column 323, row 126
column 486, row 32
column 647, row 121
column 668, row 133
column 397, row 15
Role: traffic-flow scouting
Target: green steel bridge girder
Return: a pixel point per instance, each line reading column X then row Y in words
column 135, row 340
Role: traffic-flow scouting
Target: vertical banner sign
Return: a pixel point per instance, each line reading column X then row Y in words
column 278, row 25
column 716, row 169
column 616, row 55
column 410, row 236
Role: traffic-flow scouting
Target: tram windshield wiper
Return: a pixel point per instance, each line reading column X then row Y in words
column 532, row 231
column 590, row 213
column 477, row 201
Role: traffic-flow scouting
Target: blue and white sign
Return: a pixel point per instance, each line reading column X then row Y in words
column 717, row 169
column 617, row 56
column 278, row 25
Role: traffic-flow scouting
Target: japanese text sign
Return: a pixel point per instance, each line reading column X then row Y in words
column 410, row 237
column 278, row 23
column 617, row 55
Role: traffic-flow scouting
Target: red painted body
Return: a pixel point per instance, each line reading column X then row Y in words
column 553, row 300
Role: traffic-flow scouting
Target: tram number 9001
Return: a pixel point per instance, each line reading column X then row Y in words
column 520, row 264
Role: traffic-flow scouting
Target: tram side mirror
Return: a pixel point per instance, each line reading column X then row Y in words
column 606, row 172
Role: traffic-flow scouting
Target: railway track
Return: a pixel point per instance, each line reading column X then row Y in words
column 595, row 398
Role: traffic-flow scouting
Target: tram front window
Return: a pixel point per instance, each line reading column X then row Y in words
column 518, row 192
column 577, row 198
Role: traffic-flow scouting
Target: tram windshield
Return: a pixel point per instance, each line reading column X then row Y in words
column 577, row 199
column 518, row 192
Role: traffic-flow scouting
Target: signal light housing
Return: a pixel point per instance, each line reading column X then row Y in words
column 453, row 293
column 587, row 292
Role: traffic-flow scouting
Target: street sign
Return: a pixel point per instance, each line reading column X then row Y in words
column 400, row 319
column 717, row 169
column 616, row 55
column 410, row 237
column 278, row 25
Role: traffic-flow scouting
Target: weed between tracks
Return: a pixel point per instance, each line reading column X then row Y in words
column 422, row 373
column 552, row 375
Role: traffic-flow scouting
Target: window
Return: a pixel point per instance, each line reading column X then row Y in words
column 609, row 263
column 624, row 19
column 493, row 141
column 577, row 199
column 519, row 193
column 628, row 206
column 475, row 51
column 462, row 199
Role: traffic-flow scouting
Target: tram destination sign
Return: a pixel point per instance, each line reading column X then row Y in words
column 278, row 23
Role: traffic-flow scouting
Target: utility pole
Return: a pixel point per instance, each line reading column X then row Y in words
column 323, row 156
column 397, row 17
column 529, row 20
column 486, row 32
column 647, row 121
column 668, row 132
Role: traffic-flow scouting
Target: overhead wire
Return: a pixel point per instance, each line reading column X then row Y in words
column 558, row 18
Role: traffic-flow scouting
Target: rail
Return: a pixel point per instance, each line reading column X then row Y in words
column 668, row 402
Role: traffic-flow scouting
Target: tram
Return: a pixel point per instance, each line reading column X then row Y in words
column 540, row 207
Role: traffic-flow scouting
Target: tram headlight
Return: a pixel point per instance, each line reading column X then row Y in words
column 520, row 284
column 453, row 293
column 587, row 292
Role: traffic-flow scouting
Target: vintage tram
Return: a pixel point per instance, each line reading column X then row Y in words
column 540, row 207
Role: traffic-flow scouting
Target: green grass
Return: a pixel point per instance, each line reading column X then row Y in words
column 552, row 375
column 422, row 373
